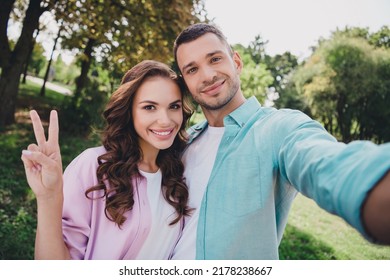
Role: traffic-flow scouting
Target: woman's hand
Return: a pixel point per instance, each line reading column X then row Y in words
column 42, row 161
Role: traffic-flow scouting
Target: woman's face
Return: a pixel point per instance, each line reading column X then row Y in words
column 157, row 113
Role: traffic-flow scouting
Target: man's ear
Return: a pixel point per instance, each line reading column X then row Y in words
column 238, row 61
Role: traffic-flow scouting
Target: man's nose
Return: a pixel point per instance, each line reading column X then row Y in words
column 208, row 74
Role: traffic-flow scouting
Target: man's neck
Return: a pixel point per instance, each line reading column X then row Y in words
column 215, row 117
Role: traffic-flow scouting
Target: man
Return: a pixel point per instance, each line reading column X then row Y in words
column 246, row 163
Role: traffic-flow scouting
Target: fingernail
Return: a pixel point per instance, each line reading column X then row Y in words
column 26, row 152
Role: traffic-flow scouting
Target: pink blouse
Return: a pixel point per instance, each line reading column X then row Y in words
column 87, row 231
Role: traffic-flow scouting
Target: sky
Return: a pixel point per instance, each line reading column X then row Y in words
column 294, row 25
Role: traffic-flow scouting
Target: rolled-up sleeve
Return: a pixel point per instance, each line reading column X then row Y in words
column 337, row 176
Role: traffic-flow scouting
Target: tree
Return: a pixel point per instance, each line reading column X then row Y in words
column 345, row 82
column 282, row 67
column 122, row 33
column 381, row 38
column 255, row 78
column 29, row 57
column 118, row 32
column 12, row 60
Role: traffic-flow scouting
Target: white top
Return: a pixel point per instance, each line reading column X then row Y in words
column 162, row 214
column 198, row 160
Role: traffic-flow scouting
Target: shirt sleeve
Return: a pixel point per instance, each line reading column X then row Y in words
column 336, row 175
column 77, row 210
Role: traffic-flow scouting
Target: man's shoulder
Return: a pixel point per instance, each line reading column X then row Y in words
column 279, row 116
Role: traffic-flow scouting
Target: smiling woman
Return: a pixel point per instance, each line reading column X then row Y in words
column 157, row 115
column 125, row 199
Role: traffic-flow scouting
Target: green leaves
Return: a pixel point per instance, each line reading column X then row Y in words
column 344, row 86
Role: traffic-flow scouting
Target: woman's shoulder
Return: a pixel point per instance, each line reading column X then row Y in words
column 93, row 152
column 88, row 158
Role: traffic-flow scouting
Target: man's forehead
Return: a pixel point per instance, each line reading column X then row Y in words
column 199, row 48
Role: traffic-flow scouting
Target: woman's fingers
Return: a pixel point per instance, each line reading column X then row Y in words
column 53, row 129
column 39, row 132
column 36, row 159
column 33, row 148
column 28, row 163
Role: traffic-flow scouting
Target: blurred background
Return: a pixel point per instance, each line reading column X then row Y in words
column 330, row 59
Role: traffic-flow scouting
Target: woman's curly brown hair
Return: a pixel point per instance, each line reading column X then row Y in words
column 119, row 164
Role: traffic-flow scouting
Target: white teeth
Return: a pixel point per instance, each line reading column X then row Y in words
column 162, row 133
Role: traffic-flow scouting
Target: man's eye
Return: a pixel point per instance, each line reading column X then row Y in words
column 215, row 59
column 191, row 70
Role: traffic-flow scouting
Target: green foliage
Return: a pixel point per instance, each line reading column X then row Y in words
column 122, row 33
column 17, row 233
column 255, row 78
column 17, row 203
column 38, row 60
column 345, row 87
column 378, row 39
column 267, row 76
column 80, row 113
column 381, row 38
column 17, row 212
column 65, row 74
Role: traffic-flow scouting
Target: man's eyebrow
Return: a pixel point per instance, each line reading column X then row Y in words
column 190, row 64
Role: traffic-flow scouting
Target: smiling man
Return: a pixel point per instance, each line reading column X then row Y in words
column 246, row 163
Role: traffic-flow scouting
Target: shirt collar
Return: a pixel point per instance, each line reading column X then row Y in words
column 236, row 118
column 243, row 113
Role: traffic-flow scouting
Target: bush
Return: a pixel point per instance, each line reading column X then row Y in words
column 82, row 112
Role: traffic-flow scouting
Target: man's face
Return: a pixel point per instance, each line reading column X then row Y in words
column 210, row 71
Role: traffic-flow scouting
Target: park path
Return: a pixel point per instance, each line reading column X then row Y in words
column 50, row 85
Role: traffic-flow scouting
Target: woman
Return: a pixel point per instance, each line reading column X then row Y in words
column 123, row 200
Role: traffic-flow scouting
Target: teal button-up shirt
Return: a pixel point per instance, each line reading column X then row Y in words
column 267, row 155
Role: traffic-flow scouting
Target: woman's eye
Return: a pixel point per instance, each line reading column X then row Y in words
column 175, row 106
column 149, row 107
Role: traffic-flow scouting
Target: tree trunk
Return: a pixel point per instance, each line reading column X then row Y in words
column 8, row 86
column 12, row 64
column 5, row 11
column 81, row 81
column 25, row 70
column 50, row 61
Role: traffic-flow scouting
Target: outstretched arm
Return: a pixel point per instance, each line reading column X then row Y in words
column 376, row 211
column 43, row 167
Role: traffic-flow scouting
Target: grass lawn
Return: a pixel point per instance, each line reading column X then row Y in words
column 314, row 232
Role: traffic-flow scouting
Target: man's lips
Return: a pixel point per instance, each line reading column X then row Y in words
column 214, row 88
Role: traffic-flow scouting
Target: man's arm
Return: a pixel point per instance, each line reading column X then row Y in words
column 376, row 211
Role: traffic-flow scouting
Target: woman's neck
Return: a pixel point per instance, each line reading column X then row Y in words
column 150, row 167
